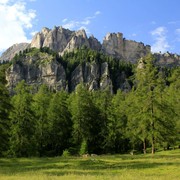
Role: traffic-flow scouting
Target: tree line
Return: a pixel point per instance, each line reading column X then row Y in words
column 48, row 123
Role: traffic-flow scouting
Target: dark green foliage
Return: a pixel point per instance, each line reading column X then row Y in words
column 22, row 140
column 102, row 100
column 151, row 118
column 5, row 107
column 86, row 119
column 116, row 140
column 48, row 123
column 81, row 55
column 40, row 106
column 60, row 119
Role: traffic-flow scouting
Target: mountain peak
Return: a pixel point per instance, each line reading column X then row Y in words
column 60, row 40
column 63, row 40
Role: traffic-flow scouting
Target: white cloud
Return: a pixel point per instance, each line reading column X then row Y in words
column 134, row 35
column 15, row 19
column 160, row 37
column 173, row 22
column 97, row 13
column 3, row 1
column 64, row 20
column 177, row 31
column 83, row 24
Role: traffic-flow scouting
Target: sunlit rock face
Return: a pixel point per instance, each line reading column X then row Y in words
column 115, row 45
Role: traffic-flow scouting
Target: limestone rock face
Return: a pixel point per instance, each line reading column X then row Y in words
column 76, row 78
column 94, row 43
column 105, row 81
column 10, row 52
column 87, row 74
column 115, row 45
column 36, row 71
column 56, row 39
column 79, row 39
column 93, row 75
column 61, row 40
column 167, row 59
column 42, row 68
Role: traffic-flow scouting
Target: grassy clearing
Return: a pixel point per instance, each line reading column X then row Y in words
column 162, row 165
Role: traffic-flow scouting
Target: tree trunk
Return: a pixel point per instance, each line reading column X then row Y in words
column 144, row 146
column 152, row 124
column 153, row 145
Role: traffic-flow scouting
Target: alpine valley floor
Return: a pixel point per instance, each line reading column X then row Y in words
column 162, row 165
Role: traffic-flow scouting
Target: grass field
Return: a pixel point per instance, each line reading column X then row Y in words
column 163, row 165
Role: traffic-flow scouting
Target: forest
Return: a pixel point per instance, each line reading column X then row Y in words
column 48, row 123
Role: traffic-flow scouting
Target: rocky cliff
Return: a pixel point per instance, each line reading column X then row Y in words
column 60, row 40
column 114, row 44
column 11, row 51
column 117, row 46
column 167, row 59
column 38, row 68
column 63, row 40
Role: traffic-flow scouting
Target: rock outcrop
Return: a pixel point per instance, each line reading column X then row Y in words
column 11, row 51
column 93, row 75
column 167, row 59
column 117, row 46
column 38, row 69
column 60, row 40
column 63, row 40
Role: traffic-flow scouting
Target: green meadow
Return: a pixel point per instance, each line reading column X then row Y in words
column 162, row 165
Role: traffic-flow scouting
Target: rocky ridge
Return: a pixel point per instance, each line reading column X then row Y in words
column 43, row 68
column 63, row 40
column 11, row 51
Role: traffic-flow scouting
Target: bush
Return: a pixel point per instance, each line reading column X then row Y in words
column 66, row 153
column 83, row 149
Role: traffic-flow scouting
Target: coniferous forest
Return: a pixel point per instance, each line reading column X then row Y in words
column 48, row 123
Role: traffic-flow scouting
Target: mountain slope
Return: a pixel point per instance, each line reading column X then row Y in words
column 11, row 51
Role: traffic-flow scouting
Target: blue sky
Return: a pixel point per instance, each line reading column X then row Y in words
column 153, row 22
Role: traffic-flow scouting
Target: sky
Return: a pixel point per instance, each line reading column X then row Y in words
column 153, row 22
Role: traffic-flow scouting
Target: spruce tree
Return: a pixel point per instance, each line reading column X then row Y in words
column 5, row 108
column 116, row 139
column 60, row 119
column 150, row 112
column 86, row 121
column 41, row 101
column 22, row 140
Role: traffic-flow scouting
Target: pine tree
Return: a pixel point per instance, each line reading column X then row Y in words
column 22, row 140
column 86, row 122
column 173, row 97
column 116, row 126
column 61, row 126
column 5, row 108
column 102, row 100
column 41, row 101
column 150, row 113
